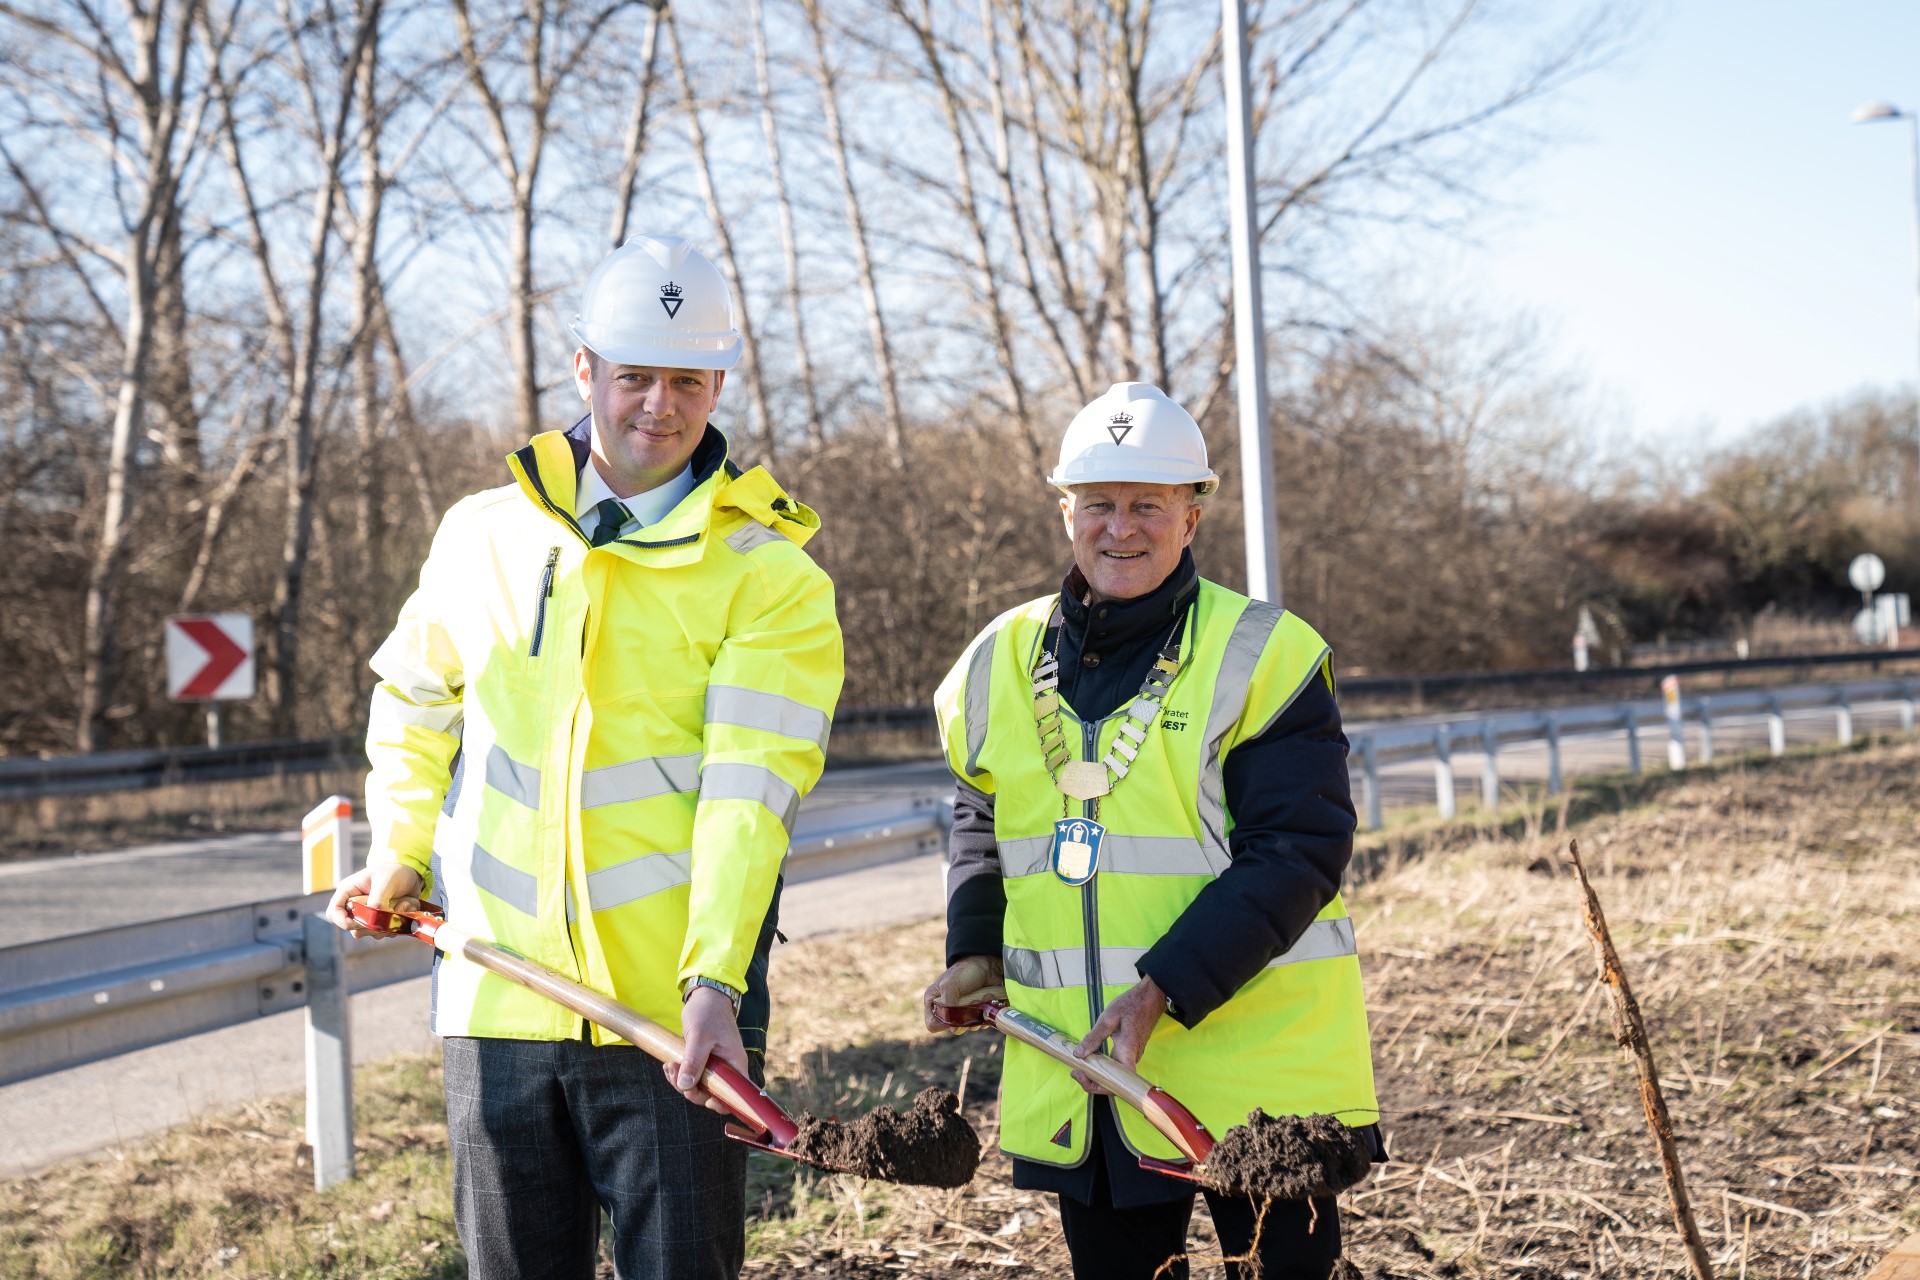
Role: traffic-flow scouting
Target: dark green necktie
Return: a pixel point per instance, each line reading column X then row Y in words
column 613, row 518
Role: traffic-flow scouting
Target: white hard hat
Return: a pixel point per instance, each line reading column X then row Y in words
column 657, row 301
column 1134, row 432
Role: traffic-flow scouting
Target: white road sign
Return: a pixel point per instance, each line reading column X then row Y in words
column 1867, row 572
column 209, row 657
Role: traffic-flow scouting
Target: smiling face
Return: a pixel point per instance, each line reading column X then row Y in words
column 646, row 421
column 1128, row 537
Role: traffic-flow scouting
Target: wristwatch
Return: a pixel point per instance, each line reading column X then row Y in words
column 733, row 996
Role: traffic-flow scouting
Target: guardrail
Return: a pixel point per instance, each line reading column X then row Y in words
column 27, row 779
column 68, row 1001
column 1491, row 732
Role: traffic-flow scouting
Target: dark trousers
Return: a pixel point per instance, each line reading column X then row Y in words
column 1298, row 1241
column 546, row 1134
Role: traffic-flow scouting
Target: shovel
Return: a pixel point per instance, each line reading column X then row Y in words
column 1162, row 1110
column 758, row 1121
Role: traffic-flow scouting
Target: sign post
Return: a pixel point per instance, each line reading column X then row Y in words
column 210, row 660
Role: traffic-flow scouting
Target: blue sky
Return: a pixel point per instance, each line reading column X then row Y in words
column 1707, row 239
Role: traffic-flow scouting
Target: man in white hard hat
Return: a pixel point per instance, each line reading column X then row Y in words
column 595, row 721
column 1151, row 821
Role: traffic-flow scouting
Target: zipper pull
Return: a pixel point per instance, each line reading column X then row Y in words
column 540, row 604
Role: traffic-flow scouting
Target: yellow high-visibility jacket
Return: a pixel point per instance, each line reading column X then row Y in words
column 595, row 755
column 1293, row 1040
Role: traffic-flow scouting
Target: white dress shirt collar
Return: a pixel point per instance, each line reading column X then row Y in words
column 648, row 508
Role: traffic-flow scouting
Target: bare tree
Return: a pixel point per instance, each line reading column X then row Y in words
column 145, row 101
column 555, row 37
column 636, row 140
column 298, row 340
column 789, row 243
column 729, row 260
column 857, row 228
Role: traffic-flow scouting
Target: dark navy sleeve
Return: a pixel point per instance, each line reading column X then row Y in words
column 1292, row 807
column 976, row 900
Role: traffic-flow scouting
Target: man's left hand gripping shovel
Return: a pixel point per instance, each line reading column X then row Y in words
column 759, row 1120
column 1163, row 1111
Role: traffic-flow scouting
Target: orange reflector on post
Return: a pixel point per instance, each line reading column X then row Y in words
column 326, row 844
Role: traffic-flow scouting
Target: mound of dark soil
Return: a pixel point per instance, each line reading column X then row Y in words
column 1288, row 1158
column 929, row 1146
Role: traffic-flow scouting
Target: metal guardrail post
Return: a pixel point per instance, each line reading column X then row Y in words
column 1553, row 755
column 1843, row 720
column 1906, row 706
column 329, row 1054
column 1633, row 739
column 1370, row 775
column 1776, row 727
column 1443, row 770
column 1706, row 731
column 1490, row 766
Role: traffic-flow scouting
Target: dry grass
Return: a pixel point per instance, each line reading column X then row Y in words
column 1766, row 915
column 54, row 825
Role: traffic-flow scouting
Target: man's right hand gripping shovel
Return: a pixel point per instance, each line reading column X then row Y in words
column 972, row 994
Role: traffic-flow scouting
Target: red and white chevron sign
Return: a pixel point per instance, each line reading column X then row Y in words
column 209, row 657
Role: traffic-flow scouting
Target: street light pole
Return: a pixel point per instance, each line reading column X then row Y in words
column 1249, row 331
column 1873, row 113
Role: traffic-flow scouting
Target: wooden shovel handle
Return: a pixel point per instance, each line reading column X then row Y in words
column 748, row 1103
column 1163, row 1111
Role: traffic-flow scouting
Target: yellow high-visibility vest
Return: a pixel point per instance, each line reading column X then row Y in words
column 1294, row 1039
column 635, row 726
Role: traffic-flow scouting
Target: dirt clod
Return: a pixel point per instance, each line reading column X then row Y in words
column 929, row 1146
column 1288, row 1158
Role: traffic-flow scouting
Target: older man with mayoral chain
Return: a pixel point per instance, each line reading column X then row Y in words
column 1151, row 821
column 595, row 721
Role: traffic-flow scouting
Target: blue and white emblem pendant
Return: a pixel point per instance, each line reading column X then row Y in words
column 1076, row 849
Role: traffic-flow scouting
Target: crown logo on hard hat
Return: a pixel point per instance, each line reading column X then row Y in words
column 1118, row 426
column 670, row 298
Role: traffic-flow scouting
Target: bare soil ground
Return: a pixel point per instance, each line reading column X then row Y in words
column 1767, row 915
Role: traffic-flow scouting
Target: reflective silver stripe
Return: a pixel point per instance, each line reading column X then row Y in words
column 751, row 535
column 512, row 779
column 979, row 691
column 753, row 709
column 639, row 780
column 1123, row 855
column 518, row 889
column 1241, row 658
column 752, row 782
column 638, row 878
column 1067, row 966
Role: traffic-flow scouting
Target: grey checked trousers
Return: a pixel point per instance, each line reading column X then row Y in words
column 545, row 1134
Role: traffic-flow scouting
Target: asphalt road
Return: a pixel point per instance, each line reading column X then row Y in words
column 53, row 897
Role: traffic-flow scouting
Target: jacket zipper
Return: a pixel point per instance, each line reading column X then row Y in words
column 540, row 605
column 1089, row 901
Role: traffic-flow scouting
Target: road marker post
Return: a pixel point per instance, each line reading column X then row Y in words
column 1370, row 775
column 1443, row 770
column 1706, row 731
column 1632, row 723
column 1776, row 727
column 1843, row 721
column 1490, row 766
column 326, row 841
column 1676, row 724
column 1553, row 754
